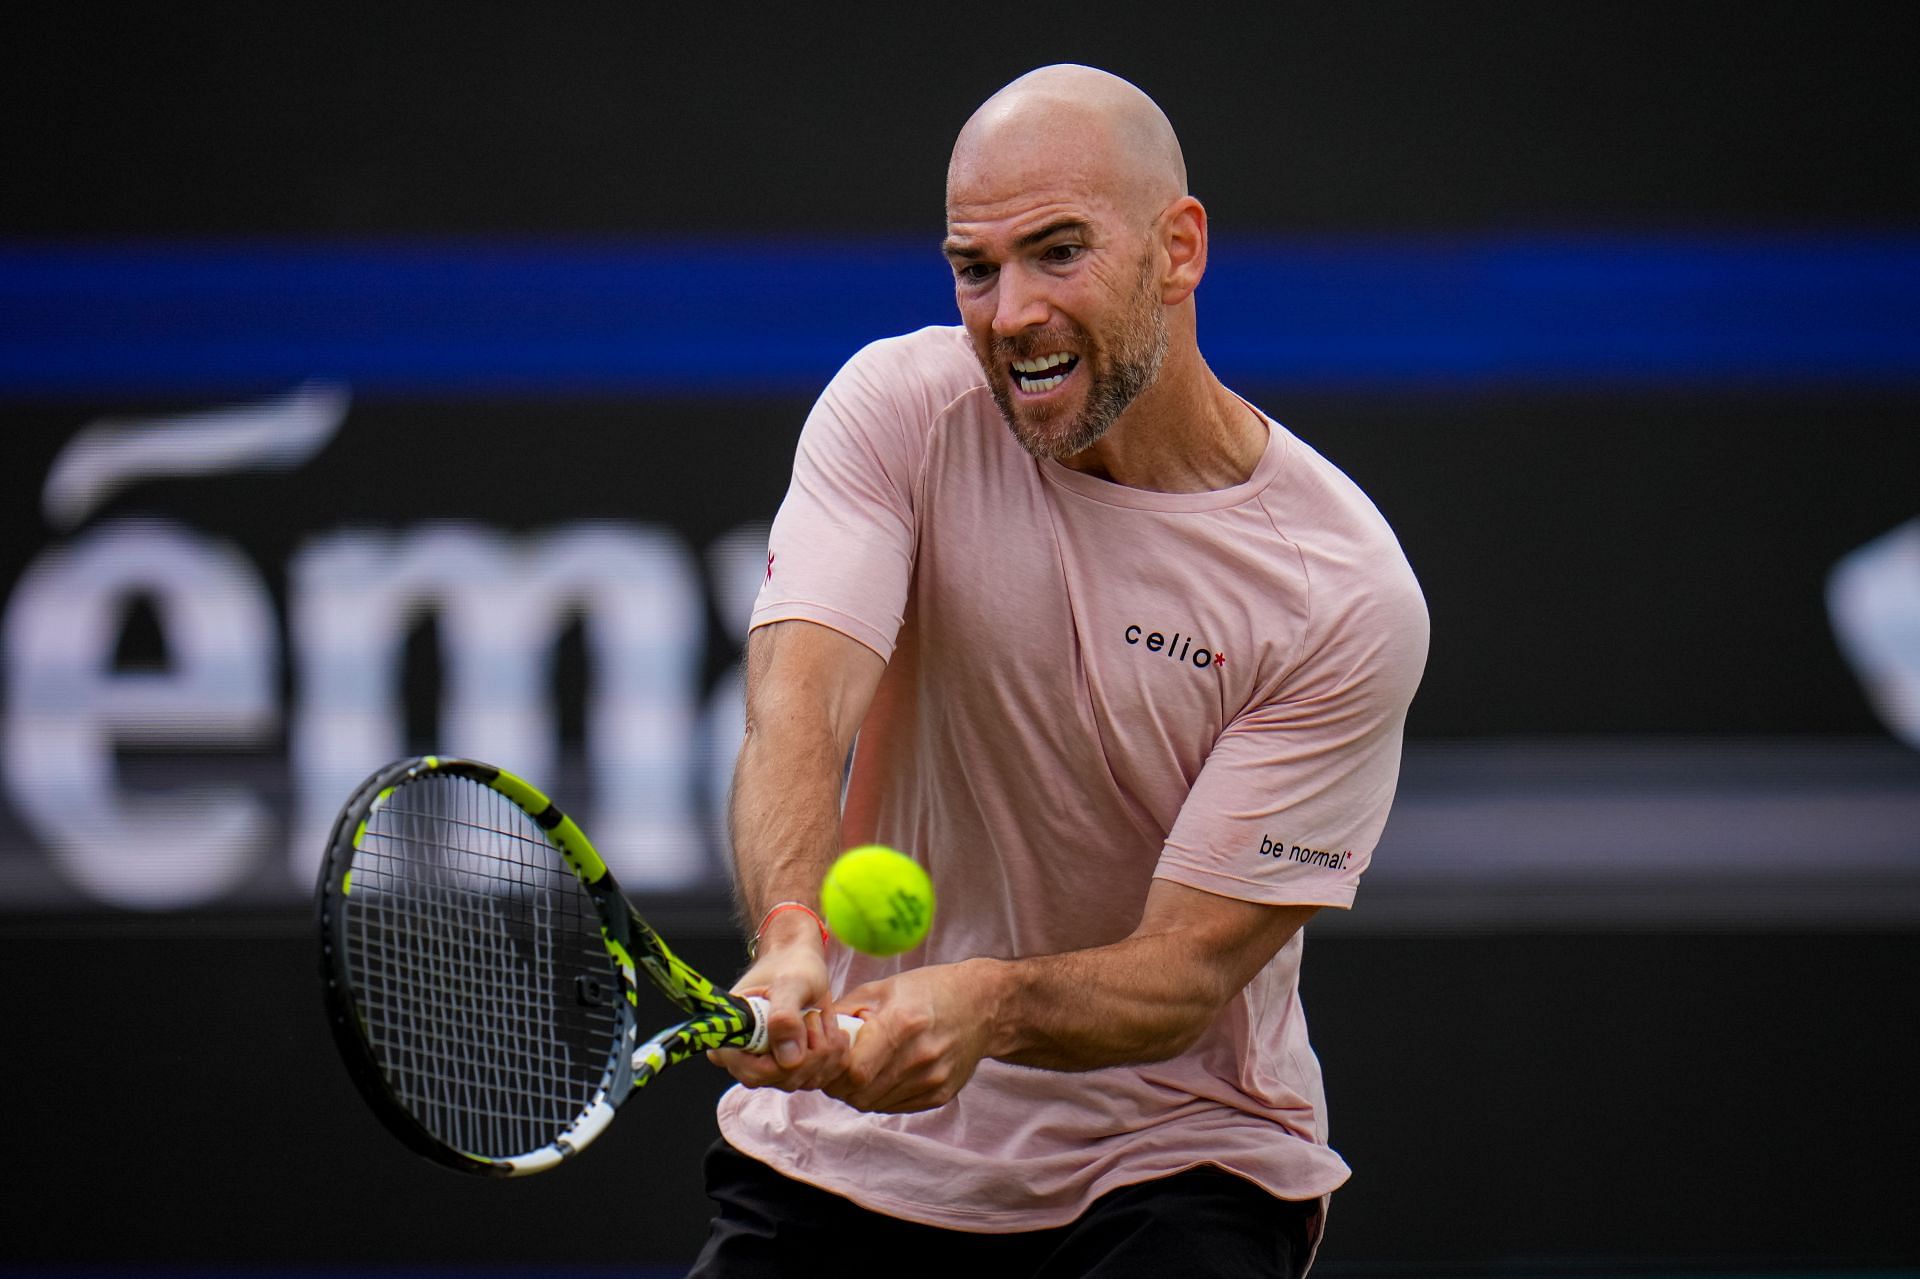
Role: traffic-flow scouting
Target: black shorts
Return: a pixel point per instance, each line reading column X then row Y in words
column 1195, row 1224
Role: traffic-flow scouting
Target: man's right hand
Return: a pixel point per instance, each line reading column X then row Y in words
column 806, row 1047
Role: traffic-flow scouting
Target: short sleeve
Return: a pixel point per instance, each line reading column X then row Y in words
column 1294, row 794
column 842, row 547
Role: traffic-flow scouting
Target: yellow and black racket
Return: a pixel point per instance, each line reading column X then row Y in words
column 479, row 963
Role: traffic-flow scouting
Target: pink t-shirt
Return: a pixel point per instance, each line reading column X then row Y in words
column 1088, row 686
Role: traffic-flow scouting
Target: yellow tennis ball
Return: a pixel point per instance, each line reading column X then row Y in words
column 877, row 901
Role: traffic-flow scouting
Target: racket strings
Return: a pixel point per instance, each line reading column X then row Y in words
column 466, row 934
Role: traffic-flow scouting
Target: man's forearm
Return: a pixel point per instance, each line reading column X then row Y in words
column 807, row 690
column 784, row 815
column 1065, row 1012
column 1146, row 998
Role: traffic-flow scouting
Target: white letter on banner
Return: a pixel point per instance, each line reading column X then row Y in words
column 503, row 603
column 68, row 709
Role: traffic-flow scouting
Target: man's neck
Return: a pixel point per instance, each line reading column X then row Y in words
column 1184, row 434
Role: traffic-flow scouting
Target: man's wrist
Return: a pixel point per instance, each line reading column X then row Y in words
column 786, row 922
column 997, row 984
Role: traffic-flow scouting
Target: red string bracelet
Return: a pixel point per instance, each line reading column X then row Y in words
column 753, row 947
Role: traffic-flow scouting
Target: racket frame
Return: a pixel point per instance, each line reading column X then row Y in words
column 716, row 1019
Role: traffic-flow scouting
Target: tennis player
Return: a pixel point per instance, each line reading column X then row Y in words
column 1128, row 665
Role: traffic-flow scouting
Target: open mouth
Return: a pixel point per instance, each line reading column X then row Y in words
column 1042, row 373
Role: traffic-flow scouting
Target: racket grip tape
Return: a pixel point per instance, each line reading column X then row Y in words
column 758, row 1044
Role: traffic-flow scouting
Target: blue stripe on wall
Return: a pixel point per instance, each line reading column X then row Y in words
column 1384, row 316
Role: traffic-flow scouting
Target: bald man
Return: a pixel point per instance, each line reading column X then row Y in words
column 1125, row 664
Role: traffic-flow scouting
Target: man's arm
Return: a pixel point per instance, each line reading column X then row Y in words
column 1146, row 998
column 808, row 689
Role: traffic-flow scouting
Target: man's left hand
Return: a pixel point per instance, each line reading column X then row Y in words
column 925, row 1033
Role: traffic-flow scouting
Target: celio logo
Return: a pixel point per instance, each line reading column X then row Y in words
column 1180, row 648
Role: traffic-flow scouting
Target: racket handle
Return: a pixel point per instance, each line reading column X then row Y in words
column 758, row 1044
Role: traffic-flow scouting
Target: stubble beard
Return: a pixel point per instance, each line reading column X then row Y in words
column 1117, row 373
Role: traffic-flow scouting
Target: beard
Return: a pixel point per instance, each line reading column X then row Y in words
column 1117, row 371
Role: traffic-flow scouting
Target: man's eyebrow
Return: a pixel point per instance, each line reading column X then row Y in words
column 968, row 253
column 1051, row 229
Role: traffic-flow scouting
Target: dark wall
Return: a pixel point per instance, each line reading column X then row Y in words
column 233, row 118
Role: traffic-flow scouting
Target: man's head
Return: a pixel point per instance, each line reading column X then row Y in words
column 1072, row 239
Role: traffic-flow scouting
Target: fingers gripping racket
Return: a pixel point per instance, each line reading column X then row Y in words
column 480, row 970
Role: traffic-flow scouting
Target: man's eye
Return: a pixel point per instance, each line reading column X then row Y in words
column 974, row 272
column 1061, row 252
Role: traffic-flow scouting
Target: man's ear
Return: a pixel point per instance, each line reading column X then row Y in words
column 1183, row 239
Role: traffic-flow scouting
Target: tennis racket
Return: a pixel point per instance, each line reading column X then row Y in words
column 480, row 963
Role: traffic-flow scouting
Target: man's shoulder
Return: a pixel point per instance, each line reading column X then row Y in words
column 937, row 359
column 894, row 392
column 1349, row 551
column 889, row 399
column 1323, row 504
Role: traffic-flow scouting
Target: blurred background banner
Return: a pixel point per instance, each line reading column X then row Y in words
column 242, row 575
column 1611, row 309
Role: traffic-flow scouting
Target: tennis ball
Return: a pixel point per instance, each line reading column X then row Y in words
column 877, row 901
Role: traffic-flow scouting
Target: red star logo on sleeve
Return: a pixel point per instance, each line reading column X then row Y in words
column 1219, row 659
column 769, row 566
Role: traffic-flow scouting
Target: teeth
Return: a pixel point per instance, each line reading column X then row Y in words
column 1033, row 386
column 1042, row 363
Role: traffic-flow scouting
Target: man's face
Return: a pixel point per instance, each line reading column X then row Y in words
column 1062, row 308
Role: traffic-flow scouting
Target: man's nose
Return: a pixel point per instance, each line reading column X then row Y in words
column 1019, row 305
